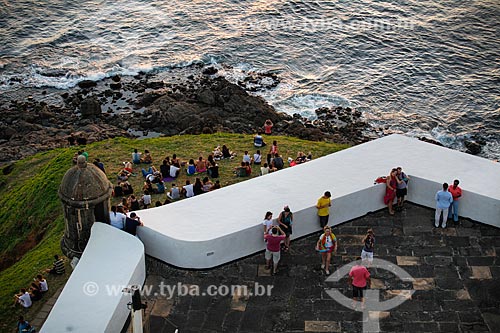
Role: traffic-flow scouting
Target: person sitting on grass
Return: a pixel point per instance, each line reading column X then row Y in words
column 191, row 168
column 301, row 158
column 146, row 199
column 174, row 171
column 176, row 161
column 133, row 203
column 207, row 184
column 198, row 187
column 24, row 327
column 241, row 171
column 174, row 193
column 136, row 157
column 57, row 267
column 277, row 163
column 161, row 187
column 258, row 140
column 215, row 186
column 248, row 169
column 187, row 190
column 246, row 157
column 257, row 158
column 148, row 186
column 264, row 170
column 226, row 153
column 217, row 153
column 164, row 169
column 201, row 165
column 23, row 298
column 146, row 157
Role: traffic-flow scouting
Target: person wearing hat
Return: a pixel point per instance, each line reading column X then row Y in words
column 323, row 205
column 285, row 220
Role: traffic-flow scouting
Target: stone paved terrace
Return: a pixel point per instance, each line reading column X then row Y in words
column 456, row 271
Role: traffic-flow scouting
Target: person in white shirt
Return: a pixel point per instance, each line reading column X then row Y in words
column 23, row 298
column 174, row 171
column 268, row 223
column 187, row 189
column 146, row 199
column 44, row 287
column 246, row 157
column 116, row 219
column 264, row 170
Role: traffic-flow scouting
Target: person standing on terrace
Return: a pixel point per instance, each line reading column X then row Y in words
column 390, row 190
column 456, row 193
column 443, row 202
column 326, row 245
column 323, row 205
column 401, row 187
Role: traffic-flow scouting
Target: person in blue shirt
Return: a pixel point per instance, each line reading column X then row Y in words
column 258, row 140
column 443, row 202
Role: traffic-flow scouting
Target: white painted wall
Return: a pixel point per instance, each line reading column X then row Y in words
column 224, row 225
column 111, row 258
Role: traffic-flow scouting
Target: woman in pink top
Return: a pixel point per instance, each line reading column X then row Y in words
column 359, row 278
column 268, row 125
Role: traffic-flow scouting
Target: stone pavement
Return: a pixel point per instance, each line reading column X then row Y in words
column 42, row 315
column 456, row 283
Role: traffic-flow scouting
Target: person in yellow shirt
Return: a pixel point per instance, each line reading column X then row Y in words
column 323, row 206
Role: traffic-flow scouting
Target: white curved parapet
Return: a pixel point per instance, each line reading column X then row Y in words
column 214, row 228
column 91, row 300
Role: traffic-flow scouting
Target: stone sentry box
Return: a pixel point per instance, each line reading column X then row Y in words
column 84, row 192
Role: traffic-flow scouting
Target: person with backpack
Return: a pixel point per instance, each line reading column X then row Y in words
column 401, row 187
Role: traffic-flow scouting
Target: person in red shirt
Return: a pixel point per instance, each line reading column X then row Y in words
column 456, row 192
column 268, row 126
column 359, row 278
column 273, row 248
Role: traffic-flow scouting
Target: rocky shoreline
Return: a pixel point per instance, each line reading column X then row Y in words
column 192, row 101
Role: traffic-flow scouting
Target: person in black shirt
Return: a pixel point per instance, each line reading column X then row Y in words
column 131, row 223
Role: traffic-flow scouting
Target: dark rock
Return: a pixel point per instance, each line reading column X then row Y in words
column 8, row 169
column 472, row 147
column 115, row 86
column 207, row 97
column 116, row 78
column 90, row 107
column 86, row 84
column 210, row 70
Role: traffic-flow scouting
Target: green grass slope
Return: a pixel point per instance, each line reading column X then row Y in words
column 31, row 221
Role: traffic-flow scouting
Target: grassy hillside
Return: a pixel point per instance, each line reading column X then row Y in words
column 31, row 213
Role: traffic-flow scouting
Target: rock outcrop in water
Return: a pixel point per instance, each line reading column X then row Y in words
column 200, row 103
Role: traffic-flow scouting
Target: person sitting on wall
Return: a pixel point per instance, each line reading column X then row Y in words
column 57, row 267
column 146, row 157
column 136, row 157
column 201, row 165
column 258, row 140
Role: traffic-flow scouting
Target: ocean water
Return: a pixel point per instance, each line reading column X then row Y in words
column 424, row 68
